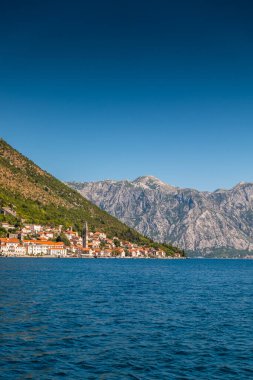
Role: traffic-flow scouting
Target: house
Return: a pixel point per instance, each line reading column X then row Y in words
column 86, row 252
column 14, row 236
column 76, row 241
column 97, row 252
column 161, row 253
column 71, row 234
column 45, row 235
column 26, row 230
column 100, row 235
column 128, row 245
column 144, row 252
column 57, row 251
column 34, row 228
column 134, row 252
column 106, row 253
column 7, row 226
column 8, row 211
column 11, row 247
column 81, row 251
column 119, row 252
column 95, row 244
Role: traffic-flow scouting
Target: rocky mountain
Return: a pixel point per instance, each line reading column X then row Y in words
column 36, row 196
column 207, row 223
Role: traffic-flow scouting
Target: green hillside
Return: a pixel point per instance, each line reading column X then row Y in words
column 38, row 197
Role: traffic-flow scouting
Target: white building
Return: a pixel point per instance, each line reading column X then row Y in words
column 44, row 248
column 34, row 228
column 11, row 247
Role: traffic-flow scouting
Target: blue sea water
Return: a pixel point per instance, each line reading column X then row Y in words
column 126, row 319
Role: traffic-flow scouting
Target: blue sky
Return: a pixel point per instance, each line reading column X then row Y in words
column 122, row 89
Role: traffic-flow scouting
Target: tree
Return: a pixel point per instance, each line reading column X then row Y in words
column 63, row 238
column 102, row 244
column 3, row 232
column 116, row 242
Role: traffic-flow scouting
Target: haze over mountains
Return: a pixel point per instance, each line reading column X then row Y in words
column 197, row 221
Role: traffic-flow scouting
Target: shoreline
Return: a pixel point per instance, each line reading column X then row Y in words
column 89, row 258
column 127, row 258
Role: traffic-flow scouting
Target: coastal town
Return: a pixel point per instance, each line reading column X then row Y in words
column 36, row 240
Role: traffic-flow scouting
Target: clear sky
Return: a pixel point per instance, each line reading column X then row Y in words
column 93, row 90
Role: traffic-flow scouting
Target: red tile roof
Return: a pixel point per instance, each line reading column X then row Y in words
column 9, row 240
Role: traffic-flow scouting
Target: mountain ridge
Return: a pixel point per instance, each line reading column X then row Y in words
column 197, row 221
column 136, row 180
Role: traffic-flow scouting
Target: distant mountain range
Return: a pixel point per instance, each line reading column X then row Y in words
column 203, row 223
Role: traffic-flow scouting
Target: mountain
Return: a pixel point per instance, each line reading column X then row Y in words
column 203, row 223
column 38, row 197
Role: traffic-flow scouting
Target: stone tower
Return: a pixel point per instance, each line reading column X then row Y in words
column 85, row 235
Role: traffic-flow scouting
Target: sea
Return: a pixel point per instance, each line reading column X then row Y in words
column 126, row 319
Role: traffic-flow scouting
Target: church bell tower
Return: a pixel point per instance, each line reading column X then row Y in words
column 85, row 235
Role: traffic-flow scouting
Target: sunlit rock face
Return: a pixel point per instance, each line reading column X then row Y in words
column 191, row 219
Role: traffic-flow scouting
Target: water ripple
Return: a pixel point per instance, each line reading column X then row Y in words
column 126, row 319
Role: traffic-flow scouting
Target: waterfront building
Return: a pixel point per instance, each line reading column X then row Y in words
column 11, row 246
column 44, row 247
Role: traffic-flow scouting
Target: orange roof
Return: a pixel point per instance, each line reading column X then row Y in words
column 9, row 240
column 44, row 242
column 119, row 250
